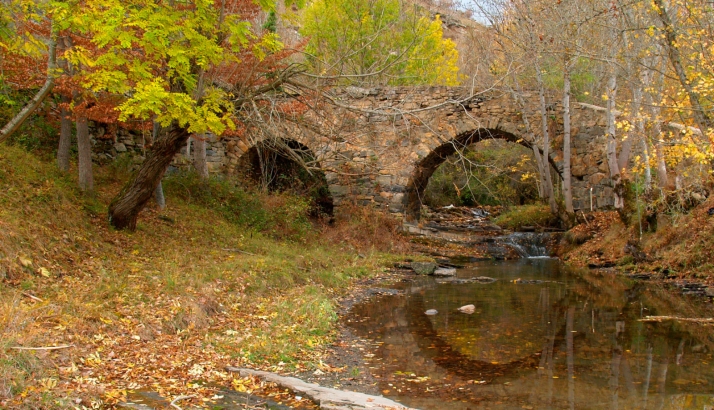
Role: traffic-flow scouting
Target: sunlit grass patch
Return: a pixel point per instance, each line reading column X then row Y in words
column 295, row 324
column 535, row 215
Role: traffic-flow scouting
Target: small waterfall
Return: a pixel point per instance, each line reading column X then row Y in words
column 529, row 244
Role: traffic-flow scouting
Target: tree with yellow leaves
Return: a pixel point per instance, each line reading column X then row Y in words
column 378, row 42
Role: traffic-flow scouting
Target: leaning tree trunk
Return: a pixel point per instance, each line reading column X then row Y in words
column 65, row 140
column 35, row 102
column 125, row 208
column 84, row 153
column 542, row 189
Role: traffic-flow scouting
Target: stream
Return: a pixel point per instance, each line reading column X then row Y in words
column 541, row 336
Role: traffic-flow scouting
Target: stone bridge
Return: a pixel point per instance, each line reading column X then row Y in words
column 381, row 145
column 384, row 144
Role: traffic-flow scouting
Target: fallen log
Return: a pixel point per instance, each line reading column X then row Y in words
column 325, row 397
column 679, row 319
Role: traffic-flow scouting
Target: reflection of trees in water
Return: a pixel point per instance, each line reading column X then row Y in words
column 591, row 346
column 445, row 356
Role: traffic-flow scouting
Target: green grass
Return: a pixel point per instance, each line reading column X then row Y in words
column 516, row 217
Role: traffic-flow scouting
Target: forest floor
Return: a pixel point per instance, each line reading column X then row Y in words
column 89, row 315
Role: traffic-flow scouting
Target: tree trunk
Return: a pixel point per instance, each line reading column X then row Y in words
column 159, row 192
column 662, row 178
column 159, row 195
column 546, row 143
column 125, row 208
column 542, row 192
column 20, row 118
column 648, row 169
column 624, row 158
column 199, row 154
column 645, row 82
column 541, row 172
column 612, row 143
column 84, row 151
column 65, row 141
column 567, row 190
column 542, row 189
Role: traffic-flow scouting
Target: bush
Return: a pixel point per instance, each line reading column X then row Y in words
column 363, row 228
column 517, row 217
column 279, row 215
column 577, row 237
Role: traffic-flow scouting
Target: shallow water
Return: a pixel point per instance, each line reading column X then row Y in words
column 540, row 337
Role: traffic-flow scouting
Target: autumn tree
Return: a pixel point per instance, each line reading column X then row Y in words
column 53, row 24
column 155, row 54
column 29, row 35
column 378, row 42
column 687, row 36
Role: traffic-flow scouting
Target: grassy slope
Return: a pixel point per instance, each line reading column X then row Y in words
column 164, row 308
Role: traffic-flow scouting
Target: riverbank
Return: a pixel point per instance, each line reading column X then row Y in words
column 676, row 248
column 220, row 277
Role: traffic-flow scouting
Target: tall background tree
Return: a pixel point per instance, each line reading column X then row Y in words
column 378, row 42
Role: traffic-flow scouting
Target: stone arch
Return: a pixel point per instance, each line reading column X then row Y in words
column 424, row 168
column 268, row 161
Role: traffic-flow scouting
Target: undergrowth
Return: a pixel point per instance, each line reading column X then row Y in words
column 221, row 276
column 279, row 215
column 517, row 217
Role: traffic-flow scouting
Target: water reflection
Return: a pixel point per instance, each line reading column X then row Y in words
column 540, row 337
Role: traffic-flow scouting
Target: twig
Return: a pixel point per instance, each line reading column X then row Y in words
column 238, row 250
column 585, row 218
column 179, row 398
column 681, row 319
column 33, row 297
column 41, row 348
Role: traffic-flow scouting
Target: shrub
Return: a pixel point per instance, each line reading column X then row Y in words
column 536, row 215
column 364, row 228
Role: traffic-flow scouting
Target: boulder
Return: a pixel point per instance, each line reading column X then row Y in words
column 424, row 268
column 445, row 272
column 468, row 309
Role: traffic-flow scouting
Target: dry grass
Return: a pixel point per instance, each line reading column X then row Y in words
column 600, row 241
column 684, row 248
column 166, row 307
column 366, row 229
